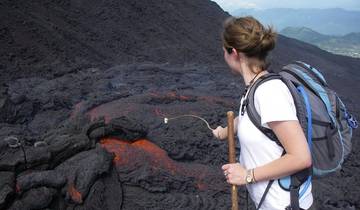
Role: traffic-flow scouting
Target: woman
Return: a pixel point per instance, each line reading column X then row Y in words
column 246, row 43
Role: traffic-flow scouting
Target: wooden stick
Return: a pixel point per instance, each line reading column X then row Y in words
column 230, row 131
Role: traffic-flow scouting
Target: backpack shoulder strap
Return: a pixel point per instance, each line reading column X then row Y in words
column 250, row 106
column 255, row 117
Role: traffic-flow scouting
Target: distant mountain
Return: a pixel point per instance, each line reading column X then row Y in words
column 303, row 34
column 348, row 45
column 352, row 37
column 326, row 21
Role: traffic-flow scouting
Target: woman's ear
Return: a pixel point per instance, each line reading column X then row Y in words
column 235, row 51
column 240, row 55
column 232, row 51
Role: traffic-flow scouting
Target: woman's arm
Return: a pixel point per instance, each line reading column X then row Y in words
column 297, row 156
column 221, row 133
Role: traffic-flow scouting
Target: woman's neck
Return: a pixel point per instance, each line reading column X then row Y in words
column 250, row 77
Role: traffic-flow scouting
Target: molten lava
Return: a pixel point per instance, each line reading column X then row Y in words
column 145, row 153
column 75, row 194
column 139, row 150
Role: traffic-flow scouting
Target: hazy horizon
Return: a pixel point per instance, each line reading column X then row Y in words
column 232, row 5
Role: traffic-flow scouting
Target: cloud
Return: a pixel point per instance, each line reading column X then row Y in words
column 247, row 5
column 230, row 5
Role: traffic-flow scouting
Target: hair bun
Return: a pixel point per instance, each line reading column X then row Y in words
column 268, row 40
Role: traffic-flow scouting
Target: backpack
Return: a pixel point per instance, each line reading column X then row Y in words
column 323, row 117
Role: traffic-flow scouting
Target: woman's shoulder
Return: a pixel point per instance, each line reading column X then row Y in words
column 274, row 102
column 274, row 87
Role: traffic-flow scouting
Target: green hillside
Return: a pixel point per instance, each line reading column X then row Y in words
column 348, row 45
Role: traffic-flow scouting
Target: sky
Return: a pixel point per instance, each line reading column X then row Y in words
column 231, row 5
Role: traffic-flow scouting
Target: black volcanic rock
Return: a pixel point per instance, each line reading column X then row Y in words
column 7, row 187
column 36, row 198
column 82, row 170
column 41, row 178
column 120, row 127
column 59, row 37
column 106, row 193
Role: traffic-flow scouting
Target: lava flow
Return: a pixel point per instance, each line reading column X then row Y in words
column 145, row 153
column 75, row 194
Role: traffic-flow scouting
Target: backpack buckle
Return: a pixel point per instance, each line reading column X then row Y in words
column 243, row 106
column 352, row 122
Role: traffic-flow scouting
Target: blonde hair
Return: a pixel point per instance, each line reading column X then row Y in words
column 249, row 36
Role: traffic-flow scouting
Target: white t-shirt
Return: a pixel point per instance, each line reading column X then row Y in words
column 273, row 102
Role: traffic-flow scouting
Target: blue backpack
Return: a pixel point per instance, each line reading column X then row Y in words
column 323, row 117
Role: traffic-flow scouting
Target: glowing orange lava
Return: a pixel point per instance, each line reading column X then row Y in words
column 75, row 194
column 145, row 153
column 139, row 150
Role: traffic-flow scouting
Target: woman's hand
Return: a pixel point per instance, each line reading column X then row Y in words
column 220, row 133
column 234, row 173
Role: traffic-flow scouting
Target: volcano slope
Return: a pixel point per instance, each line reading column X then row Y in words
column 67, row 65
